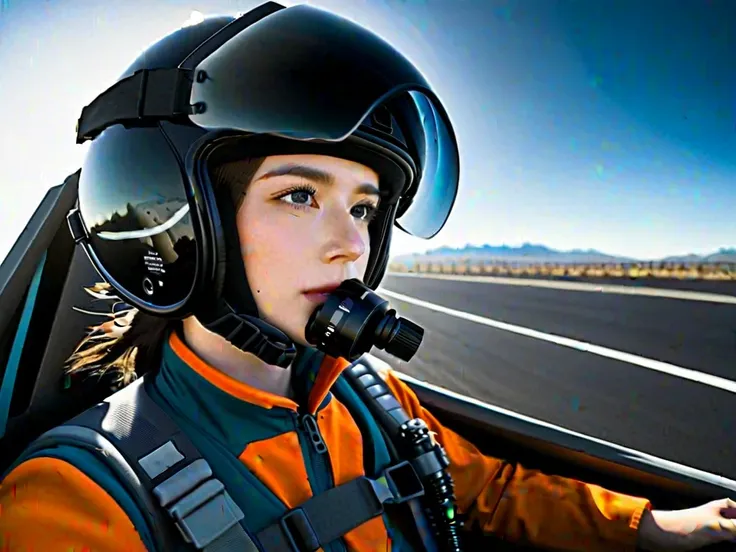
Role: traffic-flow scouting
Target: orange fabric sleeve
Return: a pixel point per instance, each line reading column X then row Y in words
column 48, row 504
column 524, row 505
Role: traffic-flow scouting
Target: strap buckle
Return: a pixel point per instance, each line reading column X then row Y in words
column 404, row 482
column 206, row 514
column 200, row 506
column 299, row 532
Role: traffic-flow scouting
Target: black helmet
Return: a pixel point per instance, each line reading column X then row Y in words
column 273, row 81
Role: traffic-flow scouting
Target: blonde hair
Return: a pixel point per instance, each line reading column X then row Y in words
column 128, row 342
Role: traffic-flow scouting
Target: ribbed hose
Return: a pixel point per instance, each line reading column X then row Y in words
column 439, row 502
column 441, row 511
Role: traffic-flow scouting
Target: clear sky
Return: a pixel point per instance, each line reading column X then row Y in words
column 607, row 124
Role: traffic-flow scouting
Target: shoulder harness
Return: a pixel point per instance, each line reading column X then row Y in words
column 174, row 486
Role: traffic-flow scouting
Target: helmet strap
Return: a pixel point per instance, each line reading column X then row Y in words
column 235, row 315
column 380, row 243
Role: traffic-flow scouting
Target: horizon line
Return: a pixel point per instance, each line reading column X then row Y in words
column 721, row 250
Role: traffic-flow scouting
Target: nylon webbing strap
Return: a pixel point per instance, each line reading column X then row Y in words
column 158, row 93
column 139, row 435
column 330, row 515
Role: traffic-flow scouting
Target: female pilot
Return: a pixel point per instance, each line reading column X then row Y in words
column 239, row 172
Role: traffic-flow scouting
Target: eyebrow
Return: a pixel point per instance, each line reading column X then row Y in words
column 315, row 175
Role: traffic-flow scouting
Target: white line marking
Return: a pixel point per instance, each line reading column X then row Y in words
column 651, row 364
column 581, row 286
column 688, row 471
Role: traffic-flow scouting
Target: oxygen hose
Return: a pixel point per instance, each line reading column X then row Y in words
column 348, row 324
column 439, row 499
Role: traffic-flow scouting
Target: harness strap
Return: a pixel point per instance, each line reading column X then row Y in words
column 167, row 476
column 328, row 516
column 160, row 467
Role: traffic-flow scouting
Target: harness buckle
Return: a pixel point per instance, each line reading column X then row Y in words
column 199, row 504
column 404, row 482
column 299, row 531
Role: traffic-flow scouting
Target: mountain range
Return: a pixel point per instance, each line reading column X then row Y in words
column 541, row 253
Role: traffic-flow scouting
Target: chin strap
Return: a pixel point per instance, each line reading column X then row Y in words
column 251, row 334
column 235, row 315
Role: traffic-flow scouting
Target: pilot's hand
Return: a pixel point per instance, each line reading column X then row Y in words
column 689, row 529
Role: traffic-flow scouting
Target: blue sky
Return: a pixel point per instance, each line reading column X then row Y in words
column 607, row 124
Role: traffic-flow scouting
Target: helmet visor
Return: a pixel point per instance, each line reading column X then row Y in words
column 306, row 74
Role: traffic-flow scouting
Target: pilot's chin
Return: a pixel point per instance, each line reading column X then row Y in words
column 297, row 336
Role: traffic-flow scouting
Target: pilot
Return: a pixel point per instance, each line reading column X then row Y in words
column 220, row 230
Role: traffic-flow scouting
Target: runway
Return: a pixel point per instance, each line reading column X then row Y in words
column 648, row 371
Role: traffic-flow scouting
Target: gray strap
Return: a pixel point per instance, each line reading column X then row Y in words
column 90, row 440
column 328, row 516
column 162, row 470
column 203, row 511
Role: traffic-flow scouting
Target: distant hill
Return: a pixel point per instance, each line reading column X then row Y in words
column 541, row 253
column 723, row 255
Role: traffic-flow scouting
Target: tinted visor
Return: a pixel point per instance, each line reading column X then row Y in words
column 433, row 198
column 304, row 73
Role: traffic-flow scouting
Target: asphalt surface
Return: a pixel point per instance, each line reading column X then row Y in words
column 658, row 413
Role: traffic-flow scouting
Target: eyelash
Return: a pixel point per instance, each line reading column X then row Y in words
column 371, row 209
